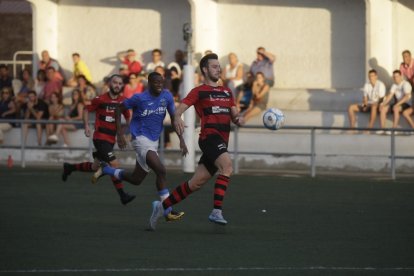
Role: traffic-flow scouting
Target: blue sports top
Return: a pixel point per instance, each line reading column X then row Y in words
column 149, row 112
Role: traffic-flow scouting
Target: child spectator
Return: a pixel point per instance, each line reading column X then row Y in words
column 79, row 68
column 75, row 114
column 7, row 110
column 260, row 91
column 5, row 79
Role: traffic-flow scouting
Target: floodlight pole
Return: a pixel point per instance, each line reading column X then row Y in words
column 189, row 115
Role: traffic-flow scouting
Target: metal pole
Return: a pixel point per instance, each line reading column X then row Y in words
column 393, row 155
column 22, row 147
column 236, row 150
column 313, row 166
column 189, row 121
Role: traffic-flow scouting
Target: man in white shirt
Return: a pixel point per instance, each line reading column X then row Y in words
column 156, row 55
column 400, row 93
column 374, row 92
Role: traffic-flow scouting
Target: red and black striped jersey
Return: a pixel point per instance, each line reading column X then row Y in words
column 213, row 106
column 104, row 107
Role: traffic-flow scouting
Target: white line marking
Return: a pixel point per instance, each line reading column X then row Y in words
column 177, row 269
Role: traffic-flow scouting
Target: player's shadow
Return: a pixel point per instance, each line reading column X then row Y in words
column 383, row 74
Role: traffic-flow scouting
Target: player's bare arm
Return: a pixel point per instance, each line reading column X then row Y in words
column 235, row 117
column 178, row 122
column 86, row 122
column 119, row 135
column 183, row 146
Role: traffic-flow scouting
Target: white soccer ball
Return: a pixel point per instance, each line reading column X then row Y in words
column 273, row 119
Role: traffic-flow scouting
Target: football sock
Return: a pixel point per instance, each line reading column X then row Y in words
column 118, row 185
column 113, row 172
column 82, row 167
column 179, row 193
column 220, row 188
column 164, row 193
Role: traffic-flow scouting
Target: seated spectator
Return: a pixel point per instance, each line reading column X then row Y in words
column 56, row 112
column 156, row 56
column 407, row 67
column 245, row 93
column 400, row 94
column 407, row 115
column 128, row 58
column 40, row 82
column 264, row 63
column 47, row 62
column 260, row 91
column 5, row 79
column 175, row 80
column 134, row 86
column 7, row 111
column 180, row 58
column 79, row 68
column 374, row 92
column 88, row 90
column 53, row 84
column 232, row 74
column 35, row 109
column 27, row 85
column 75, row 114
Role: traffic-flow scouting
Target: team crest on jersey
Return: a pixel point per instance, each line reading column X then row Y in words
column 163, row 102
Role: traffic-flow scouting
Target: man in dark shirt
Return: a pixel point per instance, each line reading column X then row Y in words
column 5, row 79
column 35, row 109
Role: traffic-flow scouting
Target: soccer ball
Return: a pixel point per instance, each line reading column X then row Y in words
column 273, row 119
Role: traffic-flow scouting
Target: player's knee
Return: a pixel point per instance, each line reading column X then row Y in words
column 227, row 170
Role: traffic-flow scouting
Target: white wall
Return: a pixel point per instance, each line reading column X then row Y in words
column 319, row 43
column 405, row 25
column 99, row 29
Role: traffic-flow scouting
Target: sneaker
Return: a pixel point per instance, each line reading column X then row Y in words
column 126, row 198
column 157, row 212
column 380, row 132
column 388, row 132
column 66, row 171
column 216, row 216
column 99, row 172
column 52, row 139
column 173, row 216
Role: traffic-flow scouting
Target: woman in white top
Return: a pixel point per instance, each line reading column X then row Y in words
column 232, row 74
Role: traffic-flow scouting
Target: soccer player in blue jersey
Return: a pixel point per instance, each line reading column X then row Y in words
column 149, row 110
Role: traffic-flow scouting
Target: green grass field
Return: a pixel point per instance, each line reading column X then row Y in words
column 323, row 226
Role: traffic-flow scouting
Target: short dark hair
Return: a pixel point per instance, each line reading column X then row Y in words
column 3, row 66
column 113, row 76
column 75, row 55
column 204, row 60
column 396, row 72
column 153, row 75
column 373, row 71
column 157, row 51
column 406, row 52
column 32, row 92
column 51, row 68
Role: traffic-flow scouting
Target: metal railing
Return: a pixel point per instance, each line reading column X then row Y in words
column 312, row 154
column 15, row 62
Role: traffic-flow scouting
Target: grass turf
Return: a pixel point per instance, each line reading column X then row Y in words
column 322, row 226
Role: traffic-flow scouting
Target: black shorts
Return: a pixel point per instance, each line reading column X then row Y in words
column 404, row 106
column 212, row 147
column 104, row 151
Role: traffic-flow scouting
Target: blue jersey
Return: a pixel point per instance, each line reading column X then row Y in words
column 149, row 113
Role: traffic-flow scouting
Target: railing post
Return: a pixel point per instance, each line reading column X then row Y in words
column 313, row 166
column 393, row 154
column 236, row 150
column 22, row 147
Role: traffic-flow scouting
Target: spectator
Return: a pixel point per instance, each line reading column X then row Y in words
column 232, row 74
column 407, row 115
column 7, row 111
column 260, row 91
column 175, row 79
column 264, row 63
column 36, row 109
column 407, row 67
column 88, row 90
column 180, row 58
column 245, row 93
column 27, row 85
column 128, row 58
column 134, row 86
column 40, row 82
column 75, row 114
column 56, row 112
column 5, row 79
column 47, row 62
column 401, row 93
column 156, row 56
column 374, row 92
column 53, row 84
column 79, row 68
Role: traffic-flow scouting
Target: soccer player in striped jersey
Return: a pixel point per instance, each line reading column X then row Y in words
column 216, row 108
column 149, row 110
column 104, row 135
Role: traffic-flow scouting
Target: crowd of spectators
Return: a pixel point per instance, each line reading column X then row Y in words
column 42, row 98
column 398, row 100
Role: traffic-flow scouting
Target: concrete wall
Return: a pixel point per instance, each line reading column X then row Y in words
column 318, row 43
column 99, row 29
column 404, row 28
